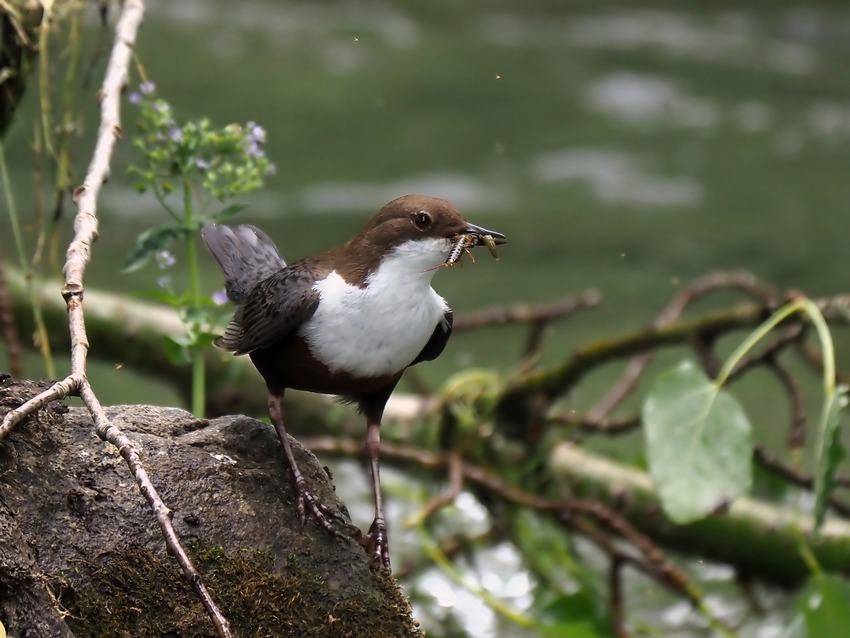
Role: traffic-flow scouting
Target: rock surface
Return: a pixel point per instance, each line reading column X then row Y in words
column 81, row 553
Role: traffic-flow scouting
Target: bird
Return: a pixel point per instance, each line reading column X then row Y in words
column 346, row 322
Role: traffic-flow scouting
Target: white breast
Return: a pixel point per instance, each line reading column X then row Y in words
column 381, row 328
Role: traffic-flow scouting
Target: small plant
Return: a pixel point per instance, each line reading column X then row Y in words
column 192, row 170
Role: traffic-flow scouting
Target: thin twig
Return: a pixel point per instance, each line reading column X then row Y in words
column 609, row 425
column 77, row 257
column 108, row 431
column 615, row 587
column 455, row 463
column 533, row 344
column 795, row 477
column 797, row 431
column 524, row 313
column 56, row 392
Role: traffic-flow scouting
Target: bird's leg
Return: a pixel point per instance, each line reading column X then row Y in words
column 376, row 542
column 305, row 499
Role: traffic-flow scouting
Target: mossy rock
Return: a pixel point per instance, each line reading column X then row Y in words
column 81, row 553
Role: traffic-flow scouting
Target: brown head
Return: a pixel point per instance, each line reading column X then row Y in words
column 425, row 227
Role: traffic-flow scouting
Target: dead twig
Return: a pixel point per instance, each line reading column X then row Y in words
column 615, row 587
column 77, row 257
column 525, row 313
column 610, row 425
column 795, row 477
column 455, row 463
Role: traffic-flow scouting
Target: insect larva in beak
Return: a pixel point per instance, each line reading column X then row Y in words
column 491, row 246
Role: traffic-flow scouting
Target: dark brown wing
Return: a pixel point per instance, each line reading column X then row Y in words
column 273, row 309
column 438, row 340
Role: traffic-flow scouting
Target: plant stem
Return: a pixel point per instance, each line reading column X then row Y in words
column 196, row 355
column 38, row 319
column 442, row 561
column 755, row 336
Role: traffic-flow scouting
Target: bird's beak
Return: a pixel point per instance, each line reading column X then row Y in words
column 478, row 233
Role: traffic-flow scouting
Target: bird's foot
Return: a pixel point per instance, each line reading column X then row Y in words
column 328, row 518
column 376, row 543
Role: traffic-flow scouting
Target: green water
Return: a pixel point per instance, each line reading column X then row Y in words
column 623, row 147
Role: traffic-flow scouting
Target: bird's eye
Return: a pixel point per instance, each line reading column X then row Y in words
column 422, row 219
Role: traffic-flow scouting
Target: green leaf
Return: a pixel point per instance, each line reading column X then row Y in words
column 176, row 350
column 162, row 296
column 698, row 442
column 205, row 339
column 829, row 451
column 195, row 316
column 575, row 615
column 569, row 607
column 825, row 605
column 151, row 241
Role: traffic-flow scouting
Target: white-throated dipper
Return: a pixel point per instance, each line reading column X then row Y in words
column 348, row 321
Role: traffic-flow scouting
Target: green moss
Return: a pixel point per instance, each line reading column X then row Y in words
column 143, row 594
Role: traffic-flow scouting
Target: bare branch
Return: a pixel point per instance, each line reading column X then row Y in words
column 610, row 425
column 523, row 313
column 59, row 390
column 795, row 477
column 615, row 587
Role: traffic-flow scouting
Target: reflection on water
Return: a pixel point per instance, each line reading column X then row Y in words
column 354, row 197
column 616, row 177
column 649, row 101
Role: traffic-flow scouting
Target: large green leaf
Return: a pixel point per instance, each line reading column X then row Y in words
column 825, row 605
column 830, row 452
column 698, row 443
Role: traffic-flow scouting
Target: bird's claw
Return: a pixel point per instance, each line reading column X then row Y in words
column 376, row 543
column 328, row 518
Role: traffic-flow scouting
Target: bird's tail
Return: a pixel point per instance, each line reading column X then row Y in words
column 245, row 254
